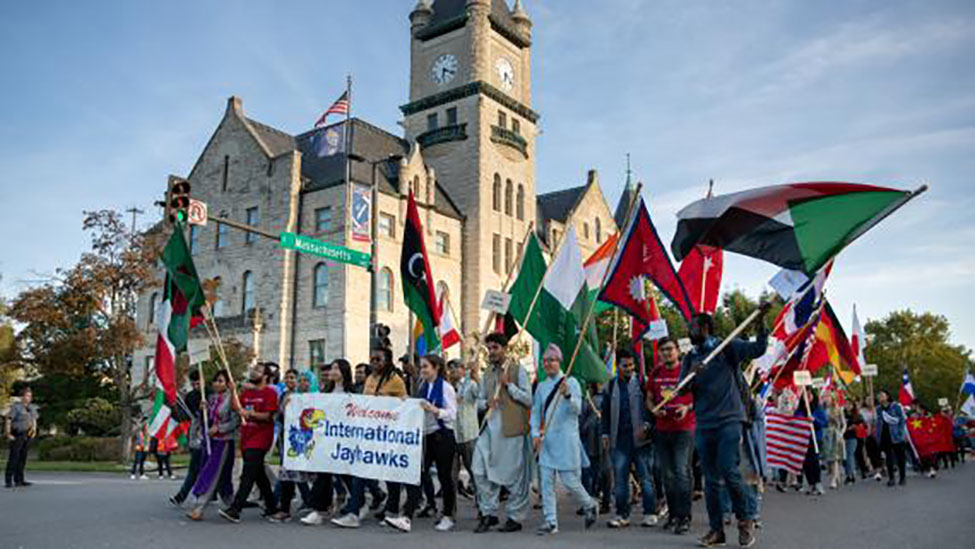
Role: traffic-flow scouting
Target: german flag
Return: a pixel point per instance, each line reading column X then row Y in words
column 833, row 347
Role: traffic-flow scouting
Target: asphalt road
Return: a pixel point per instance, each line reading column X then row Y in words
column 71, row 510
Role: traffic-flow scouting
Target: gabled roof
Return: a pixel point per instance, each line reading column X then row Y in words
column 559, row 204
column 274, row 139
column 623, row 206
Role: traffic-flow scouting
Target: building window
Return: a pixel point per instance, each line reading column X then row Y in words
column 599, row 231
column 442, row 291
column 555, row 237
column 221, row 235
column 323, row 219
column 152, row 310
column 585, row 230
column 520, row 204
column 384, row 300
column 387, row 225
column 502, row 119
column 248, row 293
column 226, row 173
column 150, row 363
column 320, row 299
column 253, row 218
column 496, row 194
column 507, row 255
column 452, row 116
column 496, row 254
column 516, row 126
column 194, row 237
column 316, row 353
column 219, row 305
column 508, row 196
column 443, row 243
column 431, row 121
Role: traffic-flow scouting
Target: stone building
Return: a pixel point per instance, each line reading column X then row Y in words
column 467, row 152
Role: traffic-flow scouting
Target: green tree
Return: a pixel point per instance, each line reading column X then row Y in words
column 919, row 342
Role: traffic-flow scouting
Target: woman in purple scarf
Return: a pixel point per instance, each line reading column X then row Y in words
column 215, row 474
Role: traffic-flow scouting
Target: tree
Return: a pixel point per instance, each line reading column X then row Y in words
column 82, row 321
column 920, row 343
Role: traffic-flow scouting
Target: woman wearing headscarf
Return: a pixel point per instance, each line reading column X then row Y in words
column 215, row 474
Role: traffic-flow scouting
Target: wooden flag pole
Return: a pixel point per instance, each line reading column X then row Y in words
column 511, row 270
column 812, row 422
column 214, row 333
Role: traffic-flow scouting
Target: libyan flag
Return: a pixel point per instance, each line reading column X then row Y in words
column 418, row 289
column 798, row 226
column 560, row 308
column 178, row 312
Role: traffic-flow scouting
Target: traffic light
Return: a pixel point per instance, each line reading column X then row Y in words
column 177, row 200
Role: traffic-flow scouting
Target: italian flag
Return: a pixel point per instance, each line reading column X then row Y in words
column 177, row 313
column 798, row 226
column 561, row 306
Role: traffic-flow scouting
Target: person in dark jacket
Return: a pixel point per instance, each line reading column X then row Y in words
column 891, row 433
column 720, row 414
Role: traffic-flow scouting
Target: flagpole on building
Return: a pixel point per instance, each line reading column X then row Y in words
column 348, row 188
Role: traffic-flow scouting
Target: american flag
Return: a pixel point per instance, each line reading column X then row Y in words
column 341, row 106
column 787, row 440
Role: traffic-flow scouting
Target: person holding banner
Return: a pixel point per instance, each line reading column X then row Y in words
column 257, row 406
column 720, row 413
column 502, row 452
column 288, row 481
column 555, row 439
column 218, row 463
column 439, row 445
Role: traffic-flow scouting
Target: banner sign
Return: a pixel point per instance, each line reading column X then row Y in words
column 361, row 212
column 349, row 434
column 869, row 370
column 802, row 378
column 496, row 301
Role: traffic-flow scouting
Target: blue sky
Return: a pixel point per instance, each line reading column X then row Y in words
column 101, row 100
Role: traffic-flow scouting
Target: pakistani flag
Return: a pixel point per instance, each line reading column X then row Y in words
column 179, row 311
column 561, row 307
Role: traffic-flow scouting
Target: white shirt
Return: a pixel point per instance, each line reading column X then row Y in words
column 447, row 414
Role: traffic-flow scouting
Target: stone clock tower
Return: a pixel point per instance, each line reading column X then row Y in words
column 470, row 113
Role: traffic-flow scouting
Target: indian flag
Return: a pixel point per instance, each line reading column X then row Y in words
column 596, row 267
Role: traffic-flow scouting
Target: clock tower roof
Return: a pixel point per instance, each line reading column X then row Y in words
column 452, row 14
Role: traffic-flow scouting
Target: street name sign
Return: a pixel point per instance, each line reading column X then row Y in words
column 340, row 254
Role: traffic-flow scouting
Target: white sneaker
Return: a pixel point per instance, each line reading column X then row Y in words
column 445, row 524
column 313, row 519
column 144, row 477
column 400, row 523
column 618, row 522
column 832, row 484
column 131, row 477
column 818, row 490
column 649, row 521
column 350, row 520
column 878, row 477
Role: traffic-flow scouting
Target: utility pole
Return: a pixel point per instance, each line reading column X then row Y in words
column 134, row 211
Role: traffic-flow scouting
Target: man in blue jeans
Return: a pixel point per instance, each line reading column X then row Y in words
column 626, row 435
column 718, row 388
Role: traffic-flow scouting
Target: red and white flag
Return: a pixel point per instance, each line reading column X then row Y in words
column 858, row 342
column 341, row 106
column 787, row 440
column 449, row 335
column 701, row 274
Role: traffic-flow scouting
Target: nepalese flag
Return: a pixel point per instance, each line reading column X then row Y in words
column 797, row 226
column 341, row 106
column 642, row 255
column 418, row 289
column 906, row 395
column 787, row 440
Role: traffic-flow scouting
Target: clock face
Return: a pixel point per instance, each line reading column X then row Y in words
column 506, row 73
column 444, row 69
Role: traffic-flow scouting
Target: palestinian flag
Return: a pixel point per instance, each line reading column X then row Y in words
column 560, row 309
column 178, row 312
column 418, row 288
column 798, row 226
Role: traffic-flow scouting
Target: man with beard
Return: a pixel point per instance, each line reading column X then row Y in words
column 720, row 412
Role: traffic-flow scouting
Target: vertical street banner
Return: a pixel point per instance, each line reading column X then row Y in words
column 349, row 434
column 361, row 212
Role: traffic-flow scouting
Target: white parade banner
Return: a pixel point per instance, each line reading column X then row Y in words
column 349, row 434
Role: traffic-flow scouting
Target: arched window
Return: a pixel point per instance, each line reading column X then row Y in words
column 248, row 293
column 442, row 290
column 219, row 305
column 520, row 205
column 416, row 186
column 384, row 300
column 508, row 196
column 585, row 230
column 599, row 231
column 320, row 299
column 152, row 309
column 496, row 195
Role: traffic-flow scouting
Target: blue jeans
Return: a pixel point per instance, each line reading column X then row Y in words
column 673, row 453
column 850, row 463
column 719, row 449
column 642, row 460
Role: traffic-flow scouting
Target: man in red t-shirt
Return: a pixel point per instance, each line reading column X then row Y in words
column 257, row 405
column 675, row 434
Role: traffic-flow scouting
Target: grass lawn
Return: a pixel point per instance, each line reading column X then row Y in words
column 177, row 461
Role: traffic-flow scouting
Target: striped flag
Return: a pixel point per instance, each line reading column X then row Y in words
column 787, row 440
column 341, row 106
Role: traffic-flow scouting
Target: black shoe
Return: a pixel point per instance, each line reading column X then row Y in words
column 671, row 522
column 510, row 526
column 175, row 501
column 231, row 514
column 427, row 512
column 903, row 481
column 604, row 508
column 485, row 524
column 26, row 483
column 714, row 538
column 378, row 502
column 592, row 515
column 890, row 482
column 683, row 526
column 8, row 485
column 580, row 512
column 381, row 515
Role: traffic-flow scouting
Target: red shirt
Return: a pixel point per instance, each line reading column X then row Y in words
column 254, row 434
column 662, row 382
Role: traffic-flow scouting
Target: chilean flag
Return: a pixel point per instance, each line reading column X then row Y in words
column 906, row 396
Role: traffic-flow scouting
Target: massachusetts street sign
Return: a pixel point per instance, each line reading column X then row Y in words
column 336, row 253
